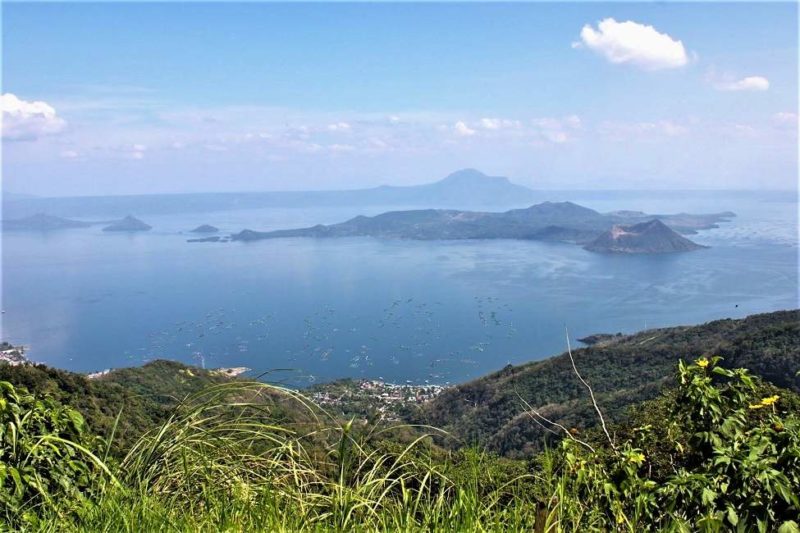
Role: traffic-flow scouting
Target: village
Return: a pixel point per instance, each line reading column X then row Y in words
column 372, row 398
column 13, row 355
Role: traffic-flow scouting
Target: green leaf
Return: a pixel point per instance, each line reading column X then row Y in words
column 790, row 526
column 733, row 518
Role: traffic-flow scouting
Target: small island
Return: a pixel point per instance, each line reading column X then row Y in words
column 653, row 237
column 205, row 228
column 128, row 224
column 213, row 238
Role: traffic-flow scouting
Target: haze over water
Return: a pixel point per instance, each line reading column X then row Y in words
column 402, row 310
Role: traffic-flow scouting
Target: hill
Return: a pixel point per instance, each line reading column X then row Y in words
column 205, row 228
column 146, row 395
column 129, row 223
column 652, row 237
column 622, row 371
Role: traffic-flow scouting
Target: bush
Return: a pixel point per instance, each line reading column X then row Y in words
column 45, row 456
column 721, row 457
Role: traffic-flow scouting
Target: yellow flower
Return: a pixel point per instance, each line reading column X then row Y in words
column 702, row 362
column 620, row 519
column 769, row 400
column 637, row 458
column 756, row 405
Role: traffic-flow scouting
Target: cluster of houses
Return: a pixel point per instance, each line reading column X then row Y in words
column 13, row 355
column 384, row 397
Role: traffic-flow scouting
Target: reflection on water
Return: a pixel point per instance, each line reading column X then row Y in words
column 401, row 310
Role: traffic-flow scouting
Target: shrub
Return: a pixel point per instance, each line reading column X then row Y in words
column 45, row 457
column 721, row 457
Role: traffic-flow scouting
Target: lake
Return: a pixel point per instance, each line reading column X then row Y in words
column 311, row 310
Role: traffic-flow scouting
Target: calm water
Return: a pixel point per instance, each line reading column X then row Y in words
column 437, row 311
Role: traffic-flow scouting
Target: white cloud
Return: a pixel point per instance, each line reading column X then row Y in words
column 573, row 121
column 641, row 131
column 462, row 129
column 377, row 143
column 339, row 126
column 499, row 123
column 70, row 154
column 633, row 43
column 556, row 130
column 750, row 83
column 340, row 148
column 27, row 121
column 786, row 118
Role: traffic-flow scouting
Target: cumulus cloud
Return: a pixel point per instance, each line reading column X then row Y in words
column 632, row 43
column 750, row 83
column 27, row 121
column 462, row 129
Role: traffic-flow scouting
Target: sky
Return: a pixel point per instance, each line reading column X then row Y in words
column 126, row 98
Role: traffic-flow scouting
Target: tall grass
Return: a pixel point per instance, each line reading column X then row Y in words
column 226, row 460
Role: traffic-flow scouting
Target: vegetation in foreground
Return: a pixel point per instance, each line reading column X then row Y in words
column 720, row 451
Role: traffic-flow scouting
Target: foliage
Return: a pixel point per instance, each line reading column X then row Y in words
column 145, row 395
column 725, row 458
column 46, row 457
column 220, row 463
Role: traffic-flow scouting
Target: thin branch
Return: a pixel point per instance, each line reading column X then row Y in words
column 591, row 393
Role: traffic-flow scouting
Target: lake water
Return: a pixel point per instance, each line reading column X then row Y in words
column 86, row 300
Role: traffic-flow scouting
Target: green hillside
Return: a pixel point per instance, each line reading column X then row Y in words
column 167, row 447
column 145, row 396
column 490, row 411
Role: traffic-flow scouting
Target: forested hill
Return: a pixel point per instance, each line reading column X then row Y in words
column 143, row 397
column 625, row 370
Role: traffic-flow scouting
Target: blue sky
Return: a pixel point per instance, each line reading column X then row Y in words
column 128, row 98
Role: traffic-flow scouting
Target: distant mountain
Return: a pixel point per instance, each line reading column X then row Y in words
column 553, row 221
column 464, row 188
column 129, row 223
column 205, row 228
column 622, row 371
column 651, row 237
column 42, row 222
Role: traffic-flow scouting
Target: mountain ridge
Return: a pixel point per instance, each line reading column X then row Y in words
column 460, row 188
